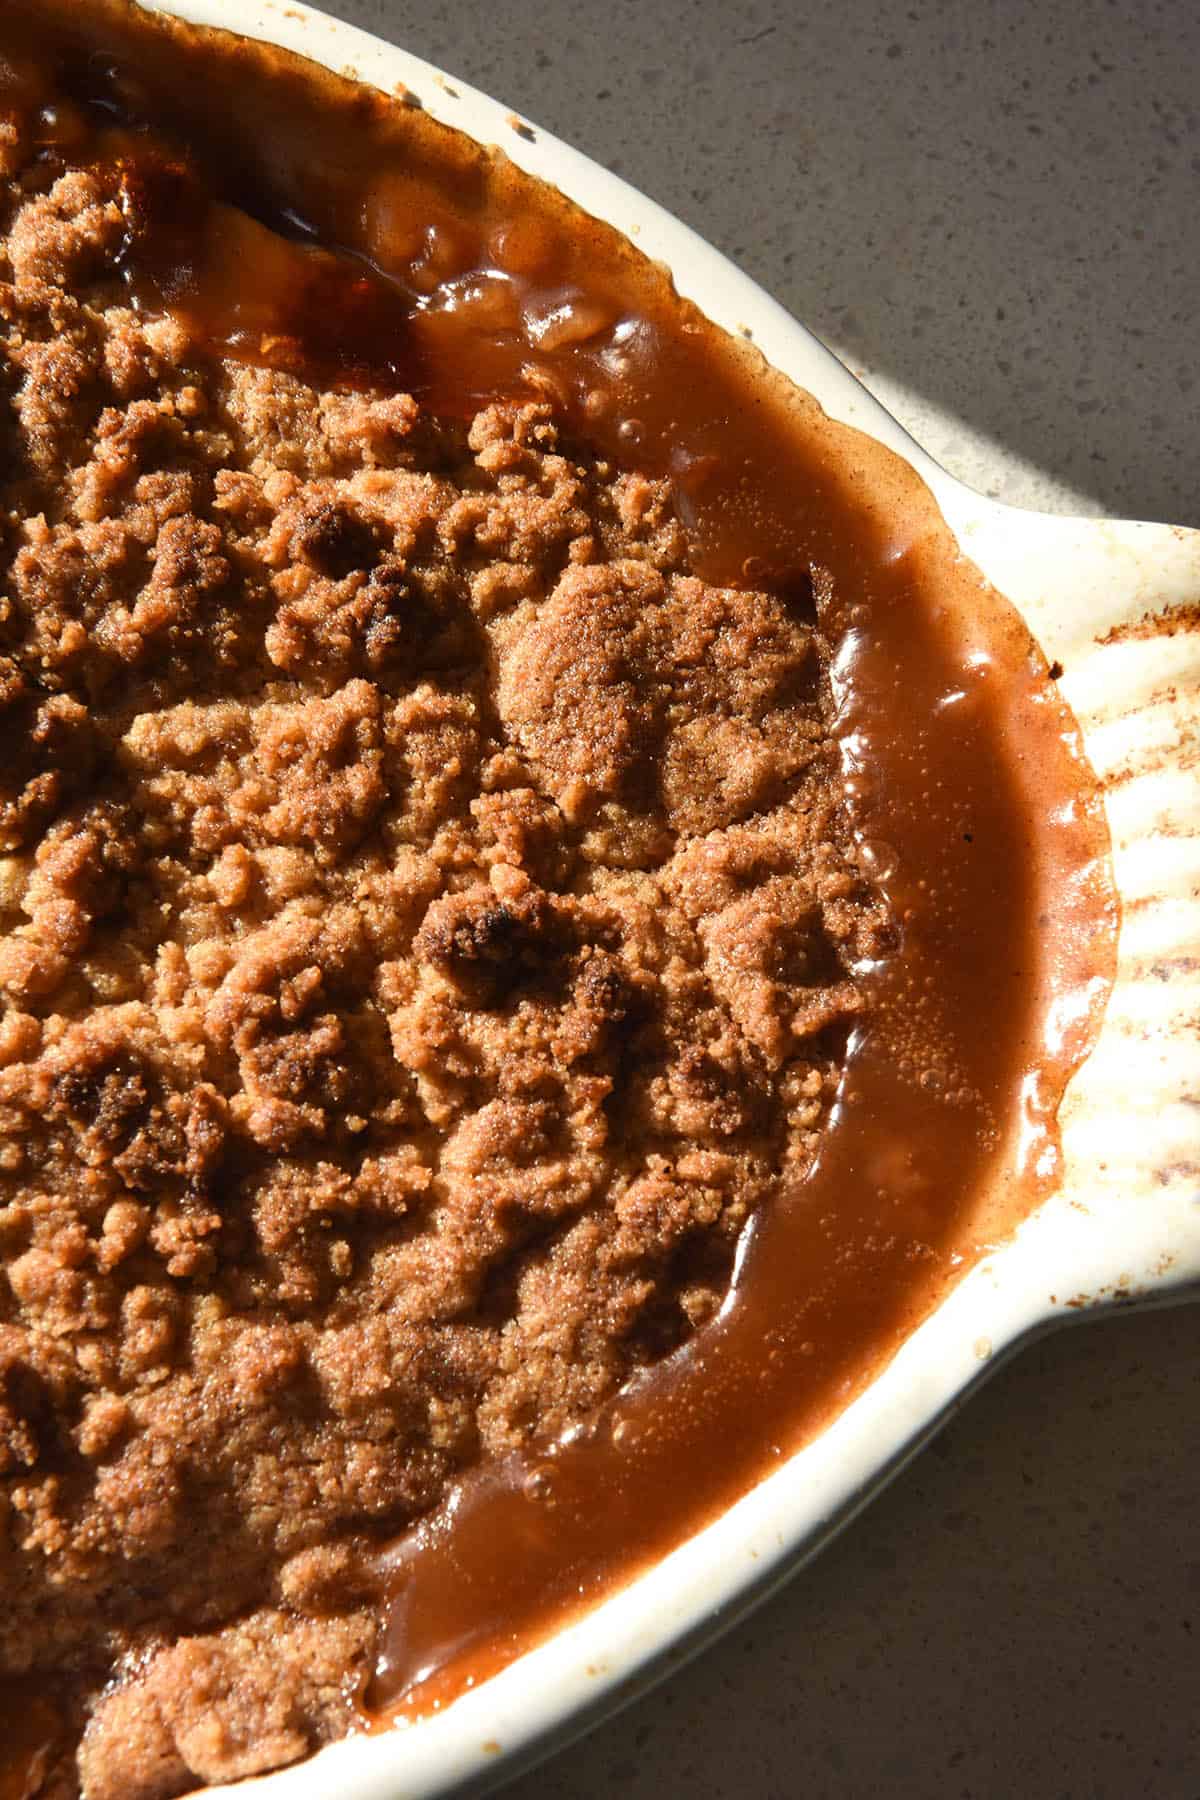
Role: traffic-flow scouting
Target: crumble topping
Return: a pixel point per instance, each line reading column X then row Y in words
column 427, row 931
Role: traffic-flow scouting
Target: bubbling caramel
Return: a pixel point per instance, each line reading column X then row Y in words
column 322, row 228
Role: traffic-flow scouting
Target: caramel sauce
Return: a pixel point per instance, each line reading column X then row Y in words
column 30, row 1729
column 320, row 227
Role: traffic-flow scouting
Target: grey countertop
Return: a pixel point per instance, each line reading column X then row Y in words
column 990, row 209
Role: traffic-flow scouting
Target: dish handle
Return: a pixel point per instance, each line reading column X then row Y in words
column 1117, row 604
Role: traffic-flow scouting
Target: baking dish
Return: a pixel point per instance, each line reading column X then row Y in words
column 1125, row 1223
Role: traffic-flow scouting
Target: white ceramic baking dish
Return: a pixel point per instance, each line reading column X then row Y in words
column 1124, row 1228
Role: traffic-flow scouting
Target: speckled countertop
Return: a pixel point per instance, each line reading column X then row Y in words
column 991, row 210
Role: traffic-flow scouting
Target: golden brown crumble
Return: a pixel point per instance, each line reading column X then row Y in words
column 426, row 927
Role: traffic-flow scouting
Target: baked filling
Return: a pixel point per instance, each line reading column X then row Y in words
column 434, row 923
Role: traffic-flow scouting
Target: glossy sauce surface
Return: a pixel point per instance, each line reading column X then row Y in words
column 460, row 280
